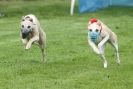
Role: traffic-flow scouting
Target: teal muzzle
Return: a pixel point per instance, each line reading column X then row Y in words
column 94, row 36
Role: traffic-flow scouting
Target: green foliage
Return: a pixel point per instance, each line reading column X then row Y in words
column 45, row 8
column 71, row 64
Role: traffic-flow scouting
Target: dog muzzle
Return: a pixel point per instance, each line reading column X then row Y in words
column 25, row 35
column 93, row 36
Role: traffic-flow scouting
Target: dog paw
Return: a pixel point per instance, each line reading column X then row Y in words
column 28, row 46
column 105, row 65
column 118, row 62
column 97, row 51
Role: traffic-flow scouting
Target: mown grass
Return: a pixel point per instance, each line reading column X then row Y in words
column 71, row 64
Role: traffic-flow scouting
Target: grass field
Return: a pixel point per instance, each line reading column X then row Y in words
column 71, row 64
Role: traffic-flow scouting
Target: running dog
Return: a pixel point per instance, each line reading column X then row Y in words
column 98, row 35
column 31, row 32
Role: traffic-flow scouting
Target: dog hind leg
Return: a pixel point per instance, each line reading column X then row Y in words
column 41, row 46
column 105, row 64
column 43, row 53
column 115, row 45
column 42, row 43
column 101, row 47
column 24, row 41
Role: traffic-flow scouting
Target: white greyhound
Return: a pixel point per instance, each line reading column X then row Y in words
column 31, row 32
column 98, row 35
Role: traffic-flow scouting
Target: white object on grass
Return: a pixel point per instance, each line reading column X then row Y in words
column 72, row 7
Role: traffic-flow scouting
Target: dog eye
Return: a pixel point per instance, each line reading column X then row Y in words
column 29, row 26
column 96, row 30
column 90, row 30
column 22, row 26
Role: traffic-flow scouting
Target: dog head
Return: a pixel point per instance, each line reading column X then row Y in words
column 26, row 27
column 94, row 29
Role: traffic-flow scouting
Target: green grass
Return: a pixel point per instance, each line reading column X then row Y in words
column 71, row 64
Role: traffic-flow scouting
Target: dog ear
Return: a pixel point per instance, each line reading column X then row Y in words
column 31, row 20
column 23, row 18
column 99, row 22
column 89, row 23
column 27, row 17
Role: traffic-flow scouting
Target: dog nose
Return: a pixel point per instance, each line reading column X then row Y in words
column 24, row 31
column 93, row 33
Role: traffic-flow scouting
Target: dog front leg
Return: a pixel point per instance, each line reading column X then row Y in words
column 103, row 56
column 100, row 52
column 101, row 47
column 94, row 47
column 36, row 38
column 24, row 41
column 102, row 43
column 115, row 45
column 105, row 64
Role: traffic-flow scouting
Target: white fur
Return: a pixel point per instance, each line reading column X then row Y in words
column 36, row 35
column 106, row 36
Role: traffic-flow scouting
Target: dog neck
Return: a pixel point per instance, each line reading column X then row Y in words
column 101, row 28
